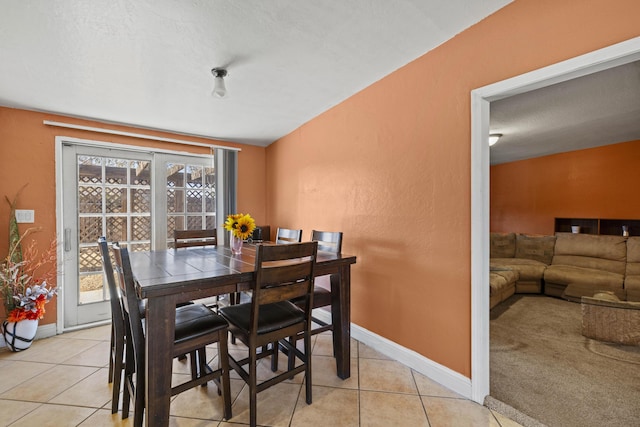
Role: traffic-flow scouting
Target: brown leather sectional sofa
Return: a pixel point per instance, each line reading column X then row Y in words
column 565, row 265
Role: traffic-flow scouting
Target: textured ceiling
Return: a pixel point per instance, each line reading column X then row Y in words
column 148, row 62
column 597, row 109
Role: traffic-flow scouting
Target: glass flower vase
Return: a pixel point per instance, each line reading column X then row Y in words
column 236, row 245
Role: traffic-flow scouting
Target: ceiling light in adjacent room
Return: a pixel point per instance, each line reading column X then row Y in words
column 493, row 138
column 219, row 88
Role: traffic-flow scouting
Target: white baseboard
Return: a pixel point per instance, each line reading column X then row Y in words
column 46, row 331
column 441, row 374
column 43, row 331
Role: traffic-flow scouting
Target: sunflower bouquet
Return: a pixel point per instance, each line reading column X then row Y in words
column 240, row 225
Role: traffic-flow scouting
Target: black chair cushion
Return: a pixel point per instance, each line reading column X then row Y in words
column 321, row 298
column 271, row 317
column 196, row 319
column 142, row 306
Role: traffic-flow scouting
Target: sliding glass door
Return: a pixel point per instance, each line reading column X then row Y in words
column 133, row 197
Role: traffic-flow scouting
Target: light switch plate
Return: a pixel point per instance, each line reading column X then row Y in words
column 25, row 216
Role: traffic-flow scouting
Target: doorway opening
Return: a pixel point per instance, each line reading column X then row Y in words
column 612, row 56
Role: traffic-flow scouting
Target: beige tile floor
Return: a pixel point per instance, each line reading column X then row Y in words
column 62, row 381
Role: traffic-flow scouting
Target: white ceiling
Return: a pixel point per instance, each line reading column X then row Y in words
column 597, row 109
column 148, row 62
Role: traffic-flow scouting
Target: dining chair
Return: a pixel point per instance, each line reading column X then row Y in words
column 261, row 234
column 328, row 241
column 194, row 238
column 286, row 235
column 118, row 329
column 189, row 238
column 283, row 236
column 196, row 326
column 283, row 272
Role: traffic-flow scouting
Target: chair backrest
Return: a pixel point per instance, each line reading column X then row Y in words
column 117, row 313
column 328, row 241
column 286, row 235
column 261, row 233
column 131, row 303
column 283, row 272
column 188, row 238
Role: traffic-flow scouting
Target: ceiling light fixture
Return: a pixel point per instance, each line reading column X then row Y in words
column 493, row 138
column 219, row 88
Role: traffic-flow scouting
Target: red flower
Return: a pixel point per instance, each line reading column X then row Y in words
column 19, row 313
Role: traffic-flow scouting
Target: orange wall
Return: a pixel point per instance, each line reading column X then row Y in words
column 601, row 182
column 27, row 155
column 390, row 167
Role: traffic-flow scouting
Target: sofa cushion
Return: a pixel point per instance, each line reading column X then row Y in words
column 502, row 245
column 632, row 274
column 590, row 251
column 575, row 291
column 528, row 269
column 539, row 248
column 633, row 249
column 510, row 276
column 501, row 286
column 632, row 288
column 596, row 279
column 632, row 282
column 496, row 283
column 633, row 256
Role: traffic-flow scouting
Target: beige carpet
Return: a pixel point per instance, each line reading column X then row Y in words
column 542, row 366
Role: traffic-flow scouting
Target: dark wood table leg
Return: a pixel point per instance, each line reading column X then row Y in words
column 341, row 318
column 160, row 331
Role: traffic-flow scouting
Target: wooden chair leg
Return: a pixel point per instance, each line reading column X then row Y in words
column 138, row 409
column 202, row 363
column 118, row 355
column 223, row 362
column 234, row 298
column 274, row 356
column 291, row 360
column 307, row 354
column 291, row 357
column 193, row 361
column 126, row 398
column 253, row 388
column 113, row 350
column 129, row 371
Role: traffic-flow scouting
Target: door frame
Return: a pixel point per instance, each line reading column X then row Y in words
column 602, row 59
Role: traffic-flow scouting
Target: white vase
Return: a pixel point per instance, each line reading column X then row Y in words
column 236, row 245
column 19, row 335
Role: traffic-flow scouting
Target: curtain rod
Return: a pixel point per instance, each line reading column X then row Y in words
column 135, row 135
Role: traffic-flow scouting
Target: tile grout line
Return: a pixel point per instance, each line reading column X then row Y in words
column 424, row 408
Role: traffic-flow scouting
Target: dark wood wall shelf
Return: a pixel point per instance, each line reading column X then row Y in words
column 611, row 227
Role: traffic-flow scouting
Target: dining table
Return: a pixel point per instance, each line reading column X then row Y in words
column 173, row 276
